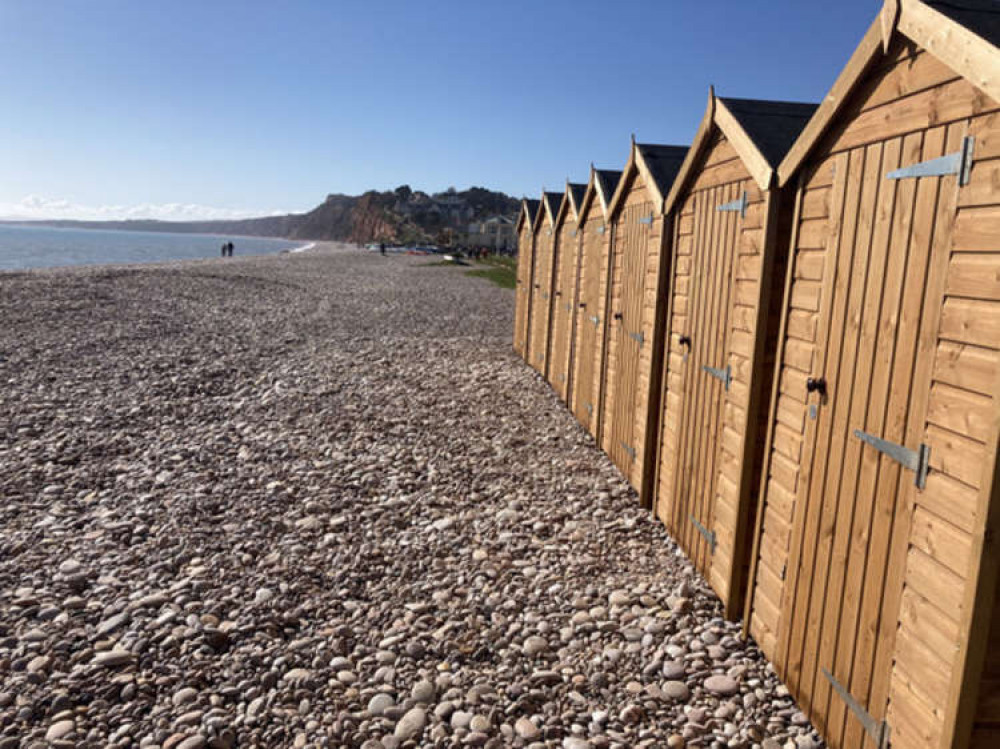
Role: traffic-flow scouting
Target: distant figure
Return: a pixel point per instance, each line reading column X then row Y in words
column 381, row 247
column 225, row 249
column 230, row 247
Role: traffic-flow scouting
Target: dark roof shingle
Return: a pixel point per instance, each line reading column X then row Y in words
column 664, row 162
column 773, row 126
column 607, row 181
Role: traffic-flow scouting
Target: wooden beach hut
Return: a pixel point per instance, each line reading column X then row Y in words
column 588, row 346
column 567, row 263
column 525, row 268
column 634, row 332
column 730, row 248
column 875, row 580
column 542, row 280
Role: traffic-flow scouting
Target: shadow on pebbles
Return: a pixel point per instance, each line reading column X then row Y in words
column 316, row 500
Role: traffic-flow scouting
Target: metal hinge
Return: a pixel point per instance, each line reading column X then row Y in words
column 725, row 375
column 959, row 163
column 877, row 729
column 569, row 307
column 638, row 337
column 709, row 535
column 601, row 230
column 545, row 295
column 647, row 220
column 573, row 233
column 629, row 450
column 562, row 378
column 917, row 460
column 590, row 408
column 737, row 206
column 595, row 319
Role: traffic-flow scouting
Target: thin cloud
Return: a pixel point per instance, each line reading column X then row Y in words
column 35, row 207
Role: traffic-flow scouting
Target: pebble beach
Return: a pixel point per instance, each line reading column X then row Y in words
column 316, row 500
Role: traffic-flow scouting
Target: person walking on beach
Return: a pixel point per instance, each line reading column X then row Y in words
column 225, row 249
column 381, row 248
column 230, row 249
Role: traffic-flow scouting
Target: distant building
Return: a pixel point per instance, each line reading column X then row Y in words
column 496, row 232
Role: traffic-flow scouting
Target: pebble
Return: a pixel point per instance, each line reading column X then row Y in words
column 411, row 725
column 676, row 690
column 527, row 730
column 423, row 691
column 60, row 730
column 113, row 658
column 378, row 704
column 535, row 645
column 722, row 685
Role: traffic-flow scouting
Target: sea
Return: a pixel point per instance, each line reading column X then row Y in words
column 24, row 247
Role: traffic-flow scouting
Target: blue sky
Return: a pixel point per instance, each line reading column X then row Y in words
column 188, row 109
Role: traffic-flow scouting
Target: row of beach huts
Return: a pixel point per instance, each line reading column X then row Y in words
column 786, row 336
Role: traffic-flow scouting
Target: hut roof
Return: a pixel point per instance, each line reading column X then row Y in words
column 658, row 165
column 760, row 131
column 529, row 209
column 606, row 183
column 549, row 209
column 963, row 34
column 575, row 192
column 571, row 202
column 773, row 126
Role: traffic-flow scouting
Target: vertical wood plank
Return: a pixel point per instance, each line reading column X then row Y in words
column 833, row 311
column 765, row 474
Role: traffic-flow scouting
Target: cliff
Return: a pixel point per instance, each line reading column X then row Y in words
column 398, row 216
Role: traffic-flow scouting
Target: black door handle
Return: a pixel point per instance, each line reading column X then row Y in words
column 558, row 293
column 618, row 315
column 685, row 340
column 583, row 305
column 816, row 385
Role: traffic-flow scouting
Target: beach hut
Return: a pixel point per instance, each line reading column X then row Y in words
column 730, row 247
column 876, row 557
column 567, row 263
column 541, row 282
column 634, row 327
column 588, row 346
column 525, row 268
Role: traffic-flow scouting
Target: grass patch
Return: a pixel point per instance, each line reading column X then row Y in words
column 505, row 278
column 442, row 263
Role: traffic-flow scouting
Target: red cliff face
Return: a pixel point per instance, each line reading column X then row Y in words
column 372, row 221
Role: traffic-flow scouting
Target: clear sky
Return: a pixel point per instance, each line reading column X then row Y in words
column 215, row 108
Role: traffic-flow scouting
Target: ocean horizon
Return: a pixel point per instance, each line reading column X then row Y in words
column 23, row 246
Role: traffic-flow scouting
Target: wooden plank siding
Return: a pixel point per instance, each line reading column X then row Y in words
column 708, row 443
column 541, row 294
column 523, row 295
column 589, row 343
column 893, row 300
column 565, row 288
column 630, row 260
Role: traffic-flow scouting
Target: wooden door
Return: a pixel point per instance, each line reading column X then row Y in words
column 522, row 299
column 707, row 376
column 563, row 304
column 869, row 380
column 541, row 300
column 589, row 327
column 632, row 238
